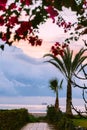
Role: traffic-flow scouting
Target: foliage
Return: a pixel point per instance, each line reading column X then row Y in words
column 15, row 29
column 59, row 119
column 68, row 66
column 65, row 124
column 52, row 114
column 32, row 118
column 80, row 122
column 66, row 63
column 20, row 20
column 55, row 86
column 13, row 119
column 33, row 13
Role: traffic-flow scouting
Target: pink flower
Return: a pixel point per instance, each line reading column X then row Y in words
column 85, row 3
column 57, row 44
column 2, row 7
column 19, row 9
column 3, row 2
column 1, row 21
column 24, row 27
column 35, row 41
column 61, row 52
column 26, row 2
column 63, row 24
column 39, row 42
column 4, row 37
column 52, row 12
column 58, row 49
column 13, row 20
column 12, row 6
column 64, row 46
column 32, row 40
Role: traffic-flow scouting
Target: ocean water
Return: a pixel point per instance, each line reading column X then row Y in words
column 30, row 108
column 36, row 104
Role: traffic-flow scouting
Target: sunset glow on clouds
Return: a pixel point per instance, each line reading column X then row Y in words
column 35, row 52
column 51, row 33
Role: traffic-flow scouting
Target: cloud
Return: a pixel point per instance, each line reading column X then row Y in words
column 6, row 86
column 21, row 75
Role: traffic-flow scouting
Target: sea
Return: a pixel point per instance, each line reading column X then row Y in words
column 37, row 104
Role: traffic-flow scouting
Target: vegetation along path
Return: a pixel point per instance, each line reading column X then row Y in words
column 37, row 126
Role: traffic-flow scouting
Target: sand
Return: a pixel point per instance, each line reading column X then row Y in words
column 38, row 114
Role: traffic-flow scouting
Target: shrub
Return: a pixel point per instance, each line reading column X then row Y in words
column 13, row 119
column 52, row 114
column 59, row 119
column 65, row 124
column 33, row 118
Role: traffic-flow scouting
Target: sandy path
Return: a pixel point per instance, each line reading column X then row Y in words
column 37, row 126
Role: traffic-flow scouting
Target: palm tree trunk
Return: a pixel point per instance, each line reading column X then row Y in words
column 57, row 102
column 69, row 99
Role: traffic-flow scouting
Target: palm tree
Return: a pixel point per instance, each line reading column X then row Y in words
column 68, row 64
column 53, row 84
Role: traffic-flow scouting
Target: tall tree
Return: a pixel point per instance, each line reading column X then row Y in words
column 53, row 84
column 68, row 64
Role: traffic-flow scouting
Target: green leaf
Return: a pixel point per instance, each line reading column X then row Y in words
column 0, row 34
column 27, row 11
column 2, row 47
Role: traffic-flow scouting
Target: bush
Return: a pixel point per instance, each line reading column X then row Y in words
column 65, row 124
column 13, row 119
column 52, row 114
column 33, row 118
column 59, row 119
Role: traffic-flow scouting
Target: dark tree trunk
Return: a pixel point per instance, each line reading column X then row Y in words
column 57, row 102
column 69, row 99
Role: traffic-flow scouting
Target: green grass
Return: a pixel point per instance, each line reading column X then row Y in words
column 80, row 122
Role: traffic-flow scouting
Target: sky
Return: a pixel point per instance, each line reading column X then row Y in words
column 23, row 76
column 23, row 72
column 51, row 33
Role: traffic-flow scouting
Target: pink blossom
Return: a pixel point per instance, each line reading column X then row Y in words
column 52, row 12
column 2, row 7
column 58, row 49
column 4, row 37
column 26, row 2
column 24, row 27
column 13, row 20
column 12, row 6
column 1, row 21
column 3, row 2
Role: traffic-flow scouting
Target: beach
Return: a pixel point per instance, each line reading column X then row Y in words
column 39, row 114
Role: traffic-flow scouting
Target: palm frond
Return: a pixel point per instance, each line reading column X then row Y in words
column 57, row 62
column 61, row 84
column 78, row 59
column 53, row 85
column 67, row 65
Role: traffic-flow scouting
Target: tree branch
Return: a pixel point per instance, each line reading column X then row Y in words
column 76, row 85
column 79, row 112
column 83, row 95
column 83, row 78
